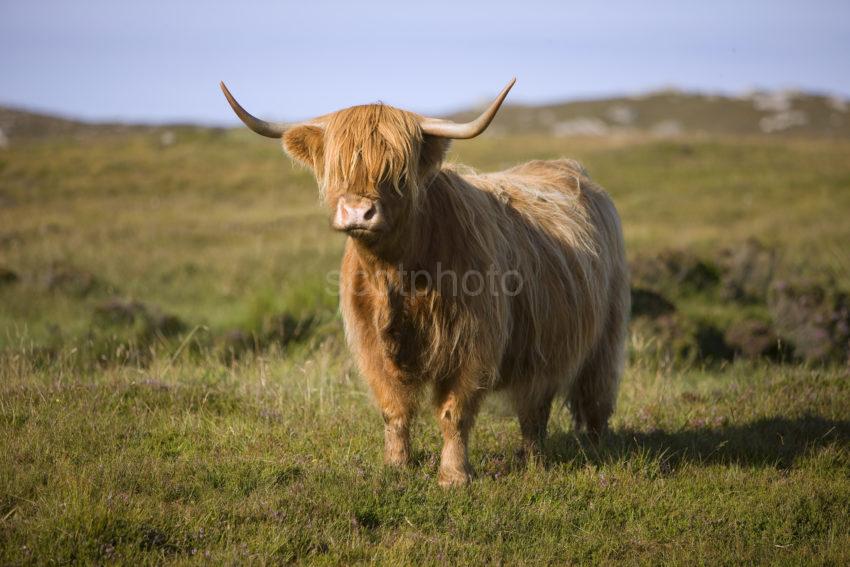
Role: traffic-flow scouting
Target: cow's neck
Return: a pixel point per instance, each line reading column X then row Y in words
column 431, row 236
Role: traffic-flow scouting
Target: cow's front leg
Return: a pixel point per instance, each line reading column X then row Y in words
column 396, row 439
column 397, row 402
column 456, row 411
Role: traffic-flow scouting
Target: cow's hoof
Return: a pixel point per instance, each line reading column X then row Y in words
column 454, row 477
column 397, row 454
column 529, row 454
column 397, row 461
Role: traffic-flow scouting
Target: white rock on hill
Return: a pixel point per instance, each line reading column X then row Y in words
column 837, row 104
column 621, row 114
column 783, row 120
column 776, row 101
column 583, row 126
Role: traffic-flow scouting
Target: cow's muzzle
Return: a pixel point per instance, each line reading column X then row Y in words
column 356, row 215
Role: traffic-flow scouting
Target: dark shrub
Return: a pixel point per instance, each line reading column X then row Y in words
column 748, row 271
column 647, row 303
column 284, row 328
column 236, row 342
column 751, row 338
column 119, row 311
column 711, row 345
column 674, row 269
column 7, row 276
column 149, row 320
column 64, row 278
column 814, row 318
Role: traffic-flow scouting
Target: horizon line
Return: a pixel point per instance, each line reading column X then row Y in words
column 635, row 94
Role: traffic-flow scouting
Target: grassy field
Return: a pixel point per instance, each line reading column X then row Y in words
column 174, row 384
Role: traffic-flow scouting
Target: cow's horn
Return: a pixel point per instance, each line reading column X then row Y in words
column 449, row 129
column 261, row 127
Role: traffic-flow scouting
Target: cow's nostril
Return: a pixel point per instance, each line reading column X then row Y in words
column 370, row 213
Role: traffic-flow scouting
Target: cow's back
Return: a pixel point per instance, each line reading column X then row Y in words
column 566, row 243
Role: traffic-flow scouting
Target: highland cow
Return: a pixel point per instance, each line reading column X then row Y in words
column 468, row 282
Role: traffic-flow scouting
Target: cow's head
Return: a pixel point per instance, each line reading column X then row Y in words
column 372, row 162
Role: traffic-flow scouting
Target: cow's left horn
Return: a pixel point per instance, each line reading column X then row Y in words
column 261, row 127
column 449, row 129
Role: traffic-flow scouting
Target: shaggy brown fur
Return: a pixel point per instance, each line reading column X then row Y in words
column 412, row 313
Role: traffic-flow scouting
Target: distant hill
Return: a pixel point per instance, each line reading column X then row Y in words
column 672, row 112
column 663, row 113
column 21, row 125
column 24, row 125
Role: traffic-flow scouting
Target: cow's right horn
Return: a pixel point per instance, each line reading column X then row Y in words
column 261, row 127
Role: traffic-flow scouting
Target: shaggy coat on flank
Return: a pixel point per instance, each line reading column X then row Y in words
column 512, row 281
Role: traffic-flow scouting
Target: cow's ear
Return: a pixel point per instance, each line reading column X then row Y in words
column 305, row 144
column 433, row 151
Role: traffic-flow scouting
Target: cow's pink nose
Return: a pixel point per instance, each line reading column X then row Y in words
column 357, row 213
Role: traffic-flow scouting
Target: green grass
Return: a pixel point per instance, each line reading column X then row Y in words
column 184, row 455
column 278, row 459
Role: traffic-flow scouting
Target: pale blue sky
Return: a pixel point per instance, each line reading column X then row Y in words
column 160, row 60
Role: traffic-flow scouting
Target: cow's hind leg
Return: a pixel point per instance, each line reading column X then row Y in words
column 594, row 391
column 533, row 408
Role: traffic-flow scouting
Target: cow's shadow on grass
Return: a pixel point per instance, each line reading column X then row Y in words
column 775, row 442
